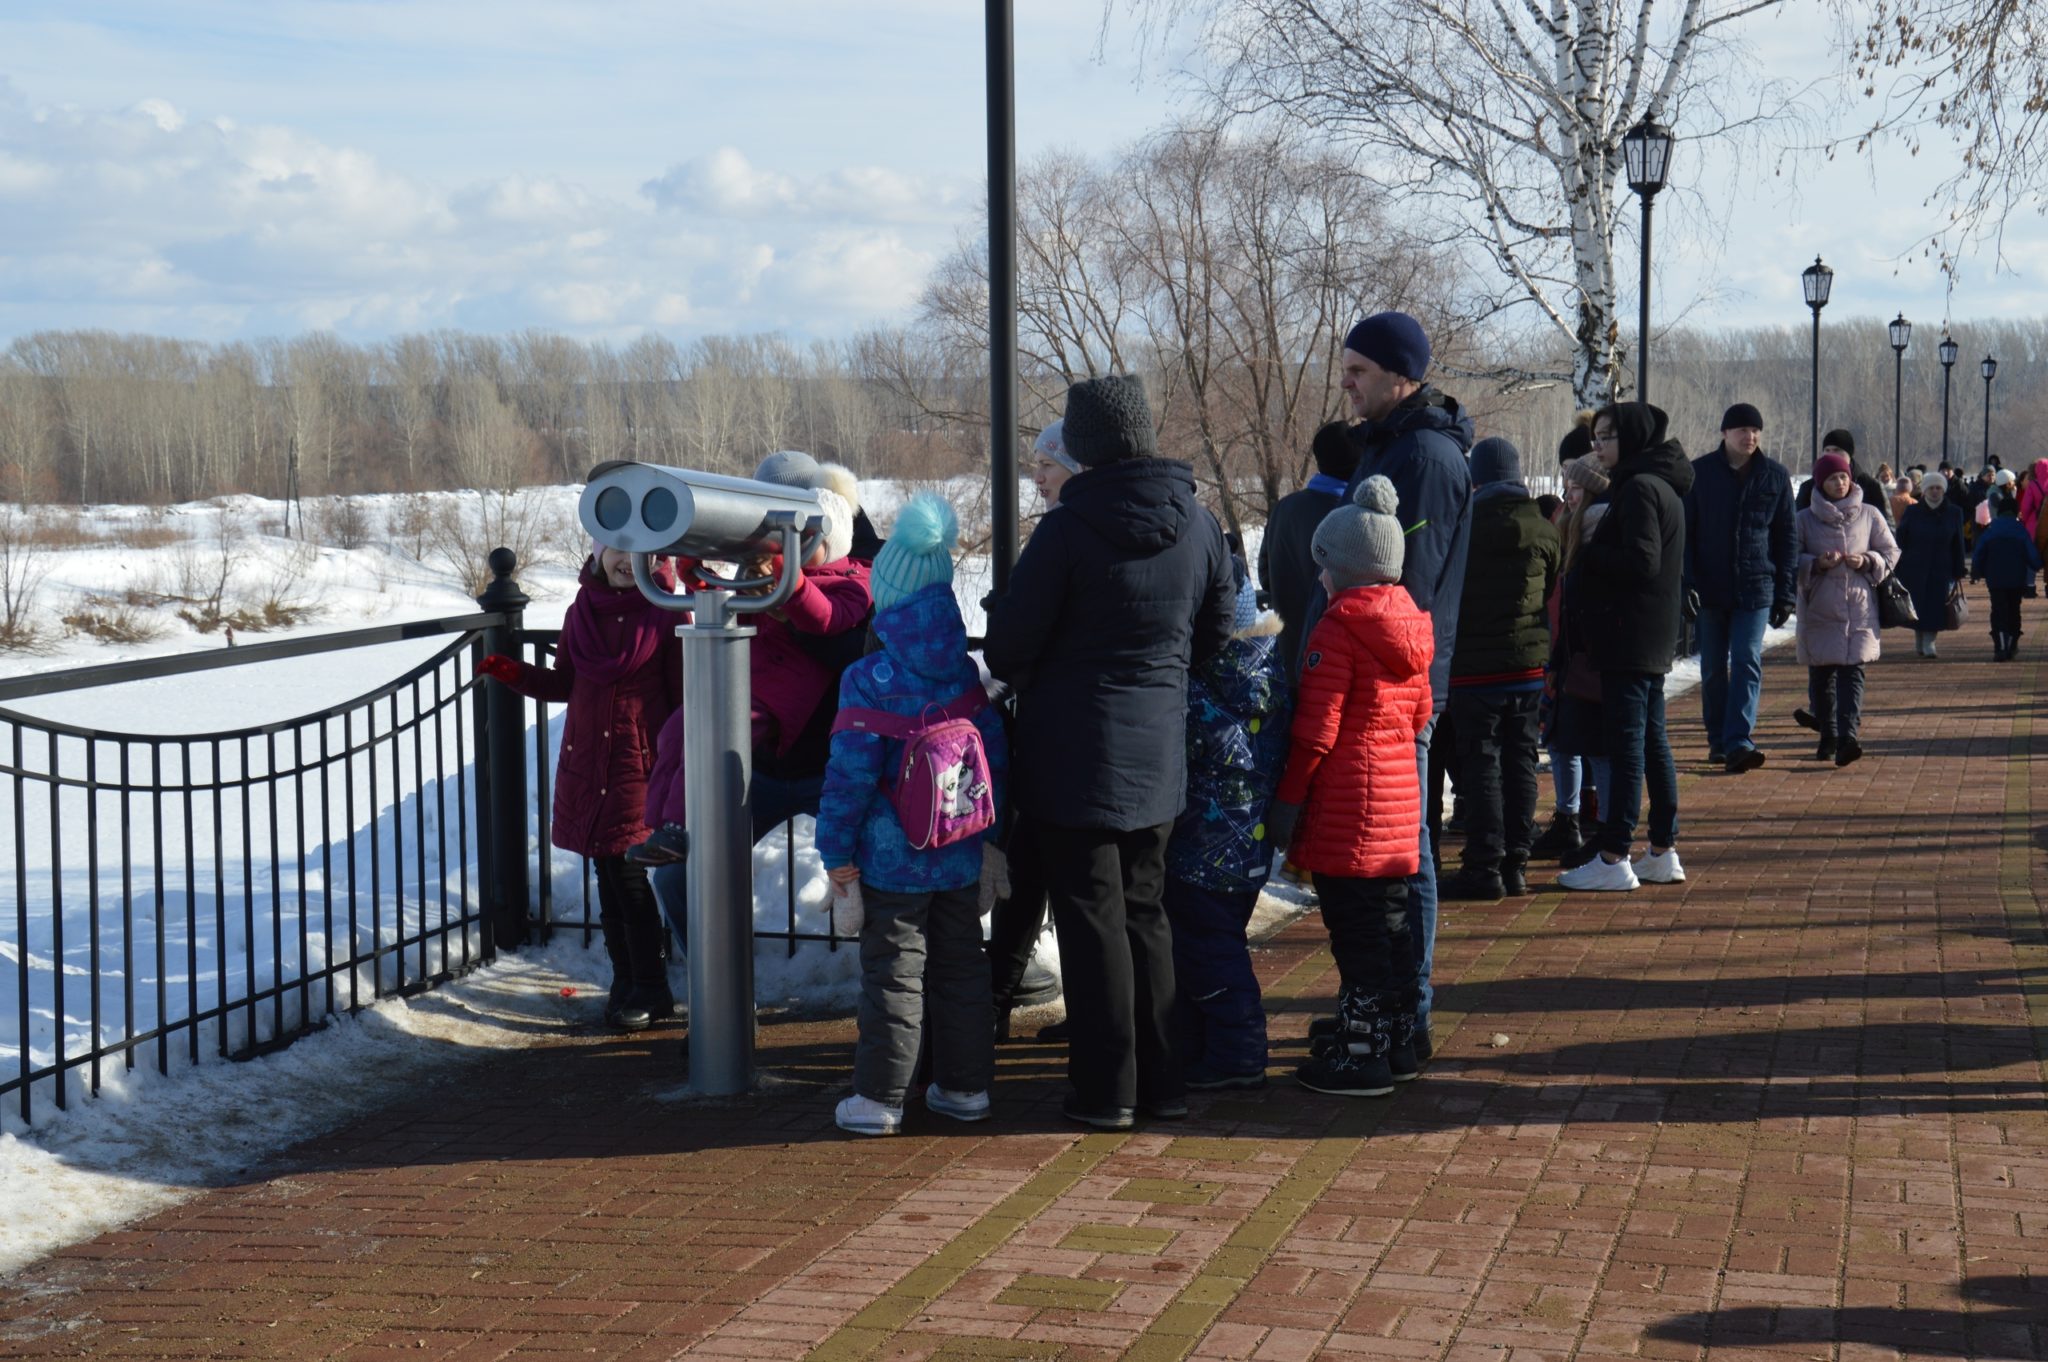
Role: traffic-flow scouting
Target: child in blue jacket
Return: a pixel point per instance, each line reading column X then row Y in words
column 2006, row 558
column 1218, row 858
column 921, row 949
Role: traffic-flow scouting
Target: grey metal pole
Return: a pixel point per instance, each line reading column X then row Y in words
column 1002, row 289
column 505, row 885
column 1643, row 319
column 718, row 784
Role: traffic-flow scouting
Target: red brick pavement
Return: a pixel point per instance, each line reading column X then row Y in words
column 1793, row 1108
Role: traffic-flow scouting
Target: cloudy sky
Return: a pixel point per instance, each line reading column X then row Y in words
column 236, row 168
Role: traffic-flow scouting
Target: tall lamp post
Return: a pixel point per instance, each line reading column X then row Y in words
column 1818, row 280
column 1646, row 151
column 1948, row 349
column 1901, row 332
column 999, row 48
column 1989, row 368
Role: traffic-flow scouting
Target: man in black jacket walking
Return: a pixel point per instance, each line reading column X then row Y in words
column 1741, row 573
column 1123, row 585
column 1625, row 596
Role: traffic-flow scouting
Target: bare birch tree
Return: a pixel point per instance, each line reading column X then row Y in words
column 1499, row 121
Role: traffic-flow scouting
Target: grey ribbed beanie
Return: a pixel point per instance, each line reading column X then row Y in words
column 1362, row 544
column 1107, row 420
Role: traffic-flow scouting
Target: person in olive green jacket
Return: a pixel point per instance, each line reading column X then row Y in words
column 1497, row 673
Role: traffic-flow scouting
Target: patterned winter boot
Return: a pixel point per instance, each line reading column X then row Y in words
column 1403, row 1061
column 1353, row 1063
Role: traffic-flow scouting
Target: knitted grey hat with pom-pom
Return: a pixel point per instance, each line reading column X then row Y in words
column 1362, row 544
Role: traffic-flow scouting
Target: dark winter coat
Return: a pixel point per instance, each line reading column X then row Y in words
column 1237, row 743
column 1512, row 565
column 2005, row 557
column 1931, row 559
column 1741, row 545
column 923, row 662
column 1420, row 447
column 1630, row 571
column 609, row 725
column 1286, row 569
column 1364, row 699
column 1124, row 584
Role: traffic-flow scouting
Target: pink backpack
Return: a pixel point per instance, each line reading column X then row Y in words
column 942, row 791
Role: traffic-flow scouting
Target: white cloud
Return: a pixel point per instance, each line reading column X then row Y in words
column 724, row 184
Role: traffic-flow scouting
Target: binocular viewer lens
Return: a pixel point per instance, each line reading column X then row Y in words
column 645, row 508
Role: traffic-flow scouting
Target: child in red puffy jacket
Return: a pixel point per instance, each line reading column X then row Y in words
column 1349, row 806
column 618, row 671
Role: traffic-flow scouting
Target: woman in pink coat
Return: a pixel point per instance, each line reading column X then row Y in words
column 2033, row 495
column 1844, row 552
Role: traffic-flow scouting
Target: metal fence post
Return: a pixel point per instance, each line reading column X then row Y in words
column 505, row 884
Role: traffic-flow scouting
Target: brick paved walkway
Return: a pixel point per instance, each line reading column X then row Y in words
column 1792, row 1109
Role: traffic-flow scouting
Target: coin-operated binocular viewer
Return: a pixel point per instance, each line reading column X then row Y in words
column 646, row 510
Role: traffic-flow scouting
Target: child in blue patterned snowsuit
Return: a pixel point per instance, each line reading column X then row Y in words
column 1219, row 857
column 921, row 953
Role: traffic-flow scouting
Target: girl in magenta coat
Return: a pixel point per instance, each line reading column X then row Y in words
column 617, row 670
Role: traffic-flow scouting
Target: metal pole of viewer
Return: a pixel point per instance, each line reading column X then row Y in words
column 1002, row 290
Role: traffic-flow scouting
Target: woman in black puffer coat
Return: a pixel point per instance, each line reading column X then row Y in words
column 1931, row 558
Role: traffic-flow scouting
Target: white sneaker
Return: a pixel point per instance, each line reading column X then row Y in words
column 1600, row 875
column 961, row 1106
column 1652, row 868
column 865, row 1116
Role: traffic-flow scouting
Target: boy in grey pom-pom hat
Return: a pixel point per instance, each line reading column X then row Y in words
column 1349, row 806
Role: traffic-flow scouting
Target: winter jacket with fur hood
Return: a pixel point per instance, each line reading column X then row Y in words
column 1838, row 605
column 1364, row 700
column 1630, row 571
column 1237, row 743
column 1125, row 583
column 613, row 710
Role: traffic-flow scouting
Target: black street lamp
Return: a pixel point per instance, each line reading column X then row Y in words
column 1646, row 151
column 1989, row 368
column 1901, row 332
column 999, row 47
column 1818, row 280
column 1948, row 350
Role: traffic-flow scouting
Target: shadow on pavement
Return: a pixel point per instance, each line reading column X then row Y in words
column 2006, row 1320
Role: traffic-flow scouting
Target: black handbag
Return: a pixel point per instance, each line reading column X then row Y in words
column 1894, row 605
column 1957, row 609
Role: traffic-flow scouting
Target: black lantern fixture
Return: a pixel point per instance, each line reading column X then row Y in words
column 1646, row 154
column 1818, row 281
column 1989, row 368
column 1948, row 350
column 1901, row 332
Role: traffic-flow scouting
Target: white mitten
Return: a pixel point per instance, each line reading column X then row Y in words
column 846, row 909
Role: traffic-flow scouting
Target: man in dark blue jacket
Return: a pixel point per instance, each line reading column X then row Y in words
column 1123, row 585
column 1416, row 438
column 1286, row 569
column 1741, row 571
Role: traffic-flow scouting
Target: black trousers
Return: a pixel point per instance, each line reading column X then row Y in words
column 1837, row 699
column 1116, row 960
column 1440, row 768
column 1368, row 925
column 1496, row 774
column 635, row 936
column 2005, row 610
column 1015, row 922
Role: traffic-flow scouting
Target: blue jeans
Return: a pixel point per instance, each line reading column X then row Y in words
column 1565, row 780
column 1731, row 675
column 1422, row 894
column 1637, row 750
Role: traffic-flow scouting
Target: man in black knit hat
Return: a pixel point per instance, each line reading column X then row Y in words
column 1123, row 585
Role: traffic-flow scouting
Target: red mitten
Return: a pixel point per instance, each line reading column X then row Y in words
column 500, row 666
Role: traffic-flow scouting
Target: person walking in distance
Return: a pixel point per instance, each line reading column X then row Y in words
column 1630, row 574
column 2006, row 560
column 1845, row 550
column 1930, row 564
column 1497, row 674
column 1118, row 592
column 1416, row 437
column 1741, row 570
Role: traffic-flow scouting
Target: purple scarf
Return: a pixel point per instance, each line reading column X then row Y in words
column 608, row 633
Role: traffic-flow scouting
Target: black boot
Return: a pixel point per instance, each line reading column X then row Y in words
column 1825, row 751
column 1514, row 876
column 1560, row 838
column 647, row 939
column 1353, row 1063
column 621, row 1012
column 1402, row 1061
column 1472, row 884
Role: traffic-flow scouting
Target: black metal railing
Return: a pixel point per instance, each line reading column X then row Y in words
column 179, row 895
